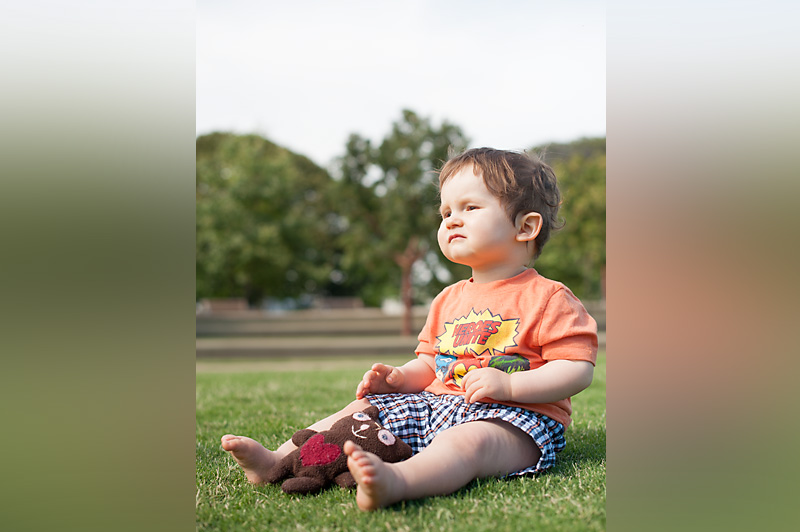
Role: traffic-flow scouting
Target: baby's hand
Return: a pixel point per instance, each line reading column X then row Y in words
column 486, row 383
column 382, row 378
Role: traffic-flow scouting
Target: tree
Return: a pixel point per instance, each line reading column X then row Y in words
column 388, row 195
column 258, row 213
column 576, row 255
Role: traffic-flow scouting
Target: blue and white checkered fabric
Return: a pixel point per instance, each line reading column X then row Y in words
column 418, row 418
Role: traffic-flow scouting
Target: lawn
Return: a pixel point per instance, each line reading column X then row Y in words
column 269, row 401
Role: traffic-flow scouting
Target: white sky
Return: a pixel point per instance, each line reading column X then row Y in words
column 307, row 73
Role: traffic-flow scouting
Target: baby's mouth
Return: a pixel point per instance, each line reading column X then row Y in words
column 453, row 237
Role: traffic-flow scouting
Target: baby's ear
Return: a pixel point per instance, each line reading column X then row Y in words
column 528, row 226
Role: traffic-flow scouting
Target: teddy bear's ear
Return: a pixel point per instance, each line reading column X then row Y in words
column 372, row 412
column 302, row 436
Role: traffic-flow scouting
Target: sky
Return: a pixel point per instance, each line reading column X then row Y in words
column 306, row 74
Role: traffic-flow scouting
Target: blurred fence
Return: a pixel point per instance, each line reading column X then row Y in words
column 240, row 333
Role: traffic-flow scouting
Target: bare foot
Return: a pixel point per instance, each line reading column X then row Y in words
column 379, row 484
column 254, row 458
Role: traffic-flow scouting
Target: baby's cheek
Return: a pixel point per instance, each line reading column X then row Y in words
column 441, row 239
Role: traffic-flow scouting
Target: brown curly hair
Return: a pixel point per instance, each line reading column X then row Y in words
column 521, row 181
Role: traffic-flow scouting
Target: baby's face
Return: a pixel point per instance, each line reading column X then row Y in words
column 475, row 229
column 364, row 427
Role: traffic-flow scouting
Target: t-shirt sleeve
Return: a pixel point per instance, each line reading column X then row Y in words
column 427, row 336
column 425, row 346
column 567, row 331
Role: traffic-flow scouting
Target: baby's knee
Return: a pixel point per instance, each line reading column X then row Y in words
column 465, row 439
column 478, row 437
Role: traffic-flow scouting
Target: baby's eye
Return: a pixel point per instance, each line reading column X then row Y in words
column 386, row 437
column 361, row 416
column 445, row 214
column 471, row 207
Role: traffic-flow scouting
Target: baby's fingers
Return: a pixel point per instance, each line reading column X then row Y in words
column 468, row 379
column 385, row 373
column 365, row 386
column 469, row 396
column 361, row 390
column 475, row 393
column 392, row 376
column 381, row 371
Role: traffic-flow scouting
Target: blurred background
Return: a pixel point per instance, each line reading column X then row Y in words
column 106, row 102
column 317, row 144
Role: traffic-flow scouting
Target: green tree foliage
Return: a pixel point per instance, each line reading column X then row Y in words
column 576, row 255
column 270, row 223
column 259, row 228
column 388, row 196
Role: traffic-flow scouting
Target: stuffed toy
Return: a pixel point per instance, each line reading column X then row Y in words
column 319, row 459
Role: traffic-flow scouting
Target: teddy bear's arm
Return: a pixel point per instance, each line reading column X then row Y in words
column 302, row 436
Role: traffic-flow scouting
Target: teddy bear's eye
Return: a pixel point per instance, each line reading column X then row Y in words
column 360, row 416
column 386, row 437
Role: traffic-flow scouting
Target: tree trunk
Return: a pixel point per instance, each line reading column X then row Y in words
column 407, row 296
column 406, row 260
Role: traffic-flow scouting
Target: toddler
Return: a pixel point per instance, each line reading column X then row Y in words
column 498, row 359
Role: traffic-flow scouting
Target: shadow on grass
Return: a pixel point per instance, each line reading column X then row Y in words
column 585, row 448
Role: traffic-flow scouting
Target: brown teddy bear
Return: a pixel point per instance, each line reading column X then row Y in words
column 319, row 458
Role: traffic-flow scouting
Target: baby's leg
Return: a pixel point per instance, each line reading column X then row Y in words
column 326, row 423
column 453, row 459
column 256, row 460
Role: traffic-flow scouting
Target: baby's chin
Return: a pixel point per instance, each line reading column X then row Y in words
column 457, row 257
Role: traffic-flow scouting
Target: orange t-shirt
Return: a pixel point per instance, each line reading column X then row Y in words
column 513, row 325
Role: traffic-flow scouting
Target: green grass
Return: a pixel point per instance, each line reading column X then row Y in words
column 271, row 404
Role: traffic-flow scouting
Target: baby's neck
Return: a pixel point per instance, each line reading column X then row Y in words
column 496, row 274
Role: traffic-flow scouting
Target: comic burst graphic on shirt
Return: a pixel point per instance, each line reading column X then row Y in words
column 478, row 334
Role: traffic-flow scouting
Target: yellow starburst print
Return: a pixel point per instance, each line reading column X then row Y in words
column 478, row 334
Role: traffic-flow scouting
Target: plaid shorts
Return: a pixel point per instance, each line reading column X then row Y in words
column 417, row 418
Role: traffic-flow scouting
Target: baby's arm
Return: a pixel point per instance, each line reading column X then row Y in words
column 556, row 380
column 411, row 377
